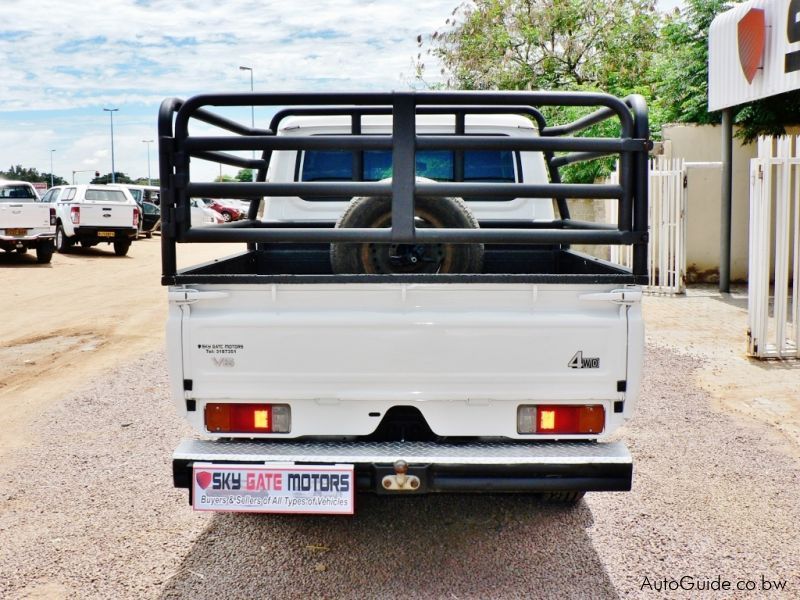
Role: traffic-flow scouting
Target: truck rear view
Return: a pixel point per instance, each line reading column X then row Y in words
column 25, row 222
column 407, row 315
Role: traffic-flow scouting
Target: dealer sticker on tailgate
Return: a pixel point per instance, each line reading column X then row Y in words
column 301, row 489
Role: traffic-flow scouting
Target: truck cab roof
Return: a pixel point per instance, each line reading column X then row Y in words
column 427, row 123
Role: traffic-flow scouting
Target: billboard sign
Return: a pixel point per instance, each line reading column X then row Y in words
column 753, row 52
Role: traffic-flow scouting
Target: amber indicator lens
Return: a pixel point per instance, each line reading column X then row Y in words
column 564, row 419
column 247, row 418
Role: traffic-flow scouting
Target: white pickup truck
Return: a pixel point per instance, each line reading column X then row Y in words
column 408, row 316
column 25, row 222
column 93, row 214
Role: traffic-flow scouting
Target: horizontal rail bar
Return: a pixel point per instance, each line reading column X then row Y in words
column 306, row 142
column 521, row 190
column 576, row 157
column 505, row 98
column 173, row 105
column 425, row 142
column 421, row 110
column 573, row 224
column 363, row 188
column 231, row 159
column 384, row 235
column 306, row 188
column 566, row 144
column 580, row 124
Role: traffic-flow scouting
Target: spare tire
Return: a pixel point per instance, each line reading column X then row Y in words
column 398, row 259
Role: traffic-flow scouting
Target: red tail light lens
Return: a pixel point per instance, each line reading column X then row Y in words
column 248, row 418
column 52, row 216
column 75, row 215
column 561, row 419
column 135, row 217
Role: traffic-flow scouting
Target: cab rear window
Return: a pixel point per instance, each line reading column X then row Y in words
column 106, row 195
column 17, row 193
column 337, row 165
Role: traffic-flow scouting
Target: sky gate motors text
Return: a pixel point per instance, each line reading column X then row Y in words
column 293, row 482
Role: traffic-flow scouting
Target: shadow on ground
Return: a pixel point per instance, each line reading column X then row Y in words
column 17, row 260
column 436, row 546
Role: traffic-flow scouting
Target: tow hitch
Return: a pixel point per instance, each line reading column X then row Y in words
column 401, row 481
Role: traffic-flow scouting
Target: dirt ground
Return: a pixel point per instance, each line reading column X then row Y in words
column 713, row 328
column 76, row 318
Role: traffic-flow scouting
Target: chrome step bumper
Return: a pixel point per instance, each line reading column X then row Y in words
column 451, row 467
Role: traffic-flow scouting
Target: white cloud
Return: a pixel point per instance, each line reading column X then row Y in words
column 64, row 60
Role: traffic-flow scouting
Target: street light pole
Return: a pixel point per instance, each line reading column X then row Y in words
column 252, row 115
column 111, row 112
column 148, row 142
column 51, row 167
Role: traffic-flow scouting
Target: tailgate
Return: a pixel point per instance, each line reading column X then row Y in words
column 404, row 342
column 28, row 215
column 106, row 214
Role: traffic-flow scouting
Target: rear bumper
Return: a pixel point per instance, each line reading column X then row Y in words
column 469, row 467
column 27, row 239
column 93, row 234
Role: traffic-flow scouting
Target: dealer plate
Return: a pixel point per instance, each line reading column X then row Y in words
column 105, row 234
column 17, row 231
column 274, row 488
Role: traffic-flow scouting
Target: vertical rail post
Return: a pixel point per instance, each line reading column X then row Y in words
column 726, row 202
column 169, row 261
column 404, row 132
column 796, row 253
column 458, row 155
column 782, row 245
column 640, row 185
column 358, row 155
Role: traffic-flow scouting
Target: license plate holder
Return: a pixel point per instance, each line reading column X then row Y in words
column 274, row 488
column 105, row 234
column 17, row 231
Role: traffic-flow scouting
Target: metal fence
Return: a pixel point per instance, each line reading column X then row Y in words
column 773, row 330
column 666, row 255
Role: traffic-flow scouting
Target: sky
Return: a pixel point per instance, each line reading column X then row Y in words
column 63, row 61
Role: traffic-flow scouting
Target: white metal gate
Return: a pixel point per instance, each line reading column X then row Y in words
column 666, row 251
column 774, row 225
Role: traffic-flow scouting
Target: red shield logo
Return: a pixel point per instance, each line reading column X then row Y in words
column 752, row 38
column 203, row 479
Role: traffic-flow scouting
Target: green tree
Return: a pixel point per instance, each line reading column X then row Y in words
column 680, row 69
column 224, row 179
column 545, row 44
column 680, row 72
column 119, row 177
column 20, row 173
column 244, row 175
column 605, row 45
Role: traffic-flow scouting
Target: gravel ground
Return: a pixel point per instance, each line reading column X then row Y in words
column 88, row 511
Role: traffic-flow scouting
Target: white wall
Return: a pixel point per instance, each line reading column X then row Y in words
column 703, row 143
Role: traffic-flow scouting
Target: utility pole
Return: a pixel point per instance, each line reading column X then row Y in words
column 252, row 116
column 148, row 142
column 111, row 112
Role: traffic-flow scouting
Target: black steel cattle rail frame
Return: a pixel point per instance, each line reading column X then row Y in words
column 558, row 144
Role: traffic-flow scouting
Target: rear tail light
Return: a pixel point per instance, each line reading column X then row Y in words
column 135, row 217
column 75, row 215
column 561, row 419
column 52, row 216
column 248, row 418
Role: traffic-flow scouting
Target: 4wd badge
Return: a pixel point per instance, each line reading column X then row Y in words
column 578, row 362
